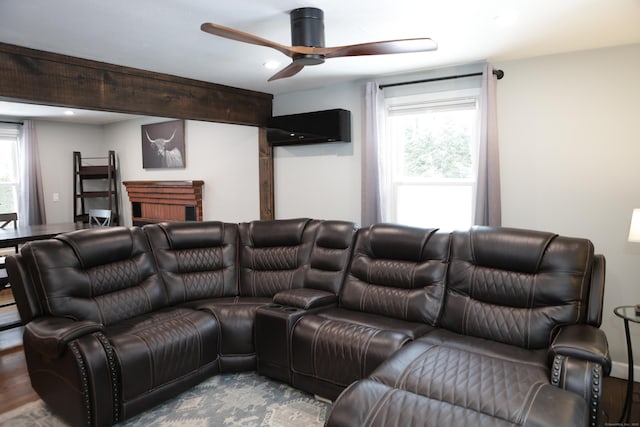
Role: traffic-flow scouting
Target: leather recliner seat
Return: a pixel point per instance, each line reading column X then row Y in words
column 489, row 363
column 392, row 294
column 202, row 271
column 109, row 333
column 322, row 280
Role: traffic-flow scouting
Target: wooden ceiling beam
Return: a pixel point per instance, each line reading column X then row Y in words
column 39, row 77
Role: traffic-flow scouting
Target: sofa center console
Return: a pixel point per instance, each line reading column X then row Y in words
column 274, row 323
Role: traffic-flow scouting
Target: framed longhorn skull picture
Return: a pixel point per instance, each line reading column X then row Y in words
column 163, row 145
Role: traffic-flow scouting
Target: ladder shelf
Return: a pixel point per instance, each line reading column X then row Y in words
column 95, row 186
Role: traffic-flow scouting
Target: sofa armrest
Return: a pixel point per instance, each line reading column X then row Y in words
column 305, row 298
column 583, row 377
column 581, row 360
column 51, row 335
column 583, row 342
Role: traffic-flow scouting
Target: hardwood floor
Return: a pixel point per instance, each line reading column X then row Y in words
column 15, row 387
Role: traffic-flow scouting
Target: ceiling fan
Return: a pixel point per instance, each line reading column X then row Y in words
column 307, row 39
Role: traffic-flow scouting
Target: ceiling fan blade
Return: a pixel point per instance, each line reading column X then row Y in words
column 307, row 32
column 381, row 48
column 288, row 71
column 230, row 33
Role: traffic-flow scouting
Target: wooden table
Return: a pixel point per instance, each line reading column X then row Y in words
column 26, row 233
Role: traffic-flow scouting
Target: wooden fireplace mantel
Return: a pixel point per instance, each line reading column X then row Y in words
column 158, row 201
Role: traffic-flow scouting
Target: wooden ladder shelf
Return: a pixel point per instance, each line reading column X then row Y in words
column 95, row 186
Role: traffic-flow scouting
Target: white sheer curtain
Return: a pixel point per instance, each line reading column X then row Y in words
column 31, row 207
column 488, row 210
column 373, row 170
column 486, row 202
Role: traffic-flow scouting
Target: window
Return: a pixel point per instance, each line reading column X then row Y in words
column 432, row 158
column 8, row 169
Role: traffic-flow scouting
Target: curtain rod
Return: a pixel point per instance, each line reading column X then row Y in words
column 499, row 74
column 12, row 123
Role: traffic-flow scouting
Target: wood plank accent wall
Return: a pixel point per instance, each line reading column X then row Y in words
column 39, row 77
column 158, row 201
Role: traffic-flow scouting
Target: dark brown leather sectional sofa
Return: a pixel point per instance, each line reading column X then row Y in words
column 400, row 326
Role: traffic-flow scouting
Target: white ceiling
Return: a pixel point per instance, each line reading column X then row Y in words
column 14, row 111
column 165, row 35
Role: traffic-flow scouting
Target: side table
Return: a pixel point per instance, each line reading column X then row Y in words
column 628, row 314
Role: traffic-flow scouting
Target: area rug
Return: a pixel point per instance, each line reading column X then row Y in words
column 244, row 399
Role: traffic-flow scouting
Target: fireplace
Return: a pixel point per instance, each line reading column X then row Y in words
column 158, row 201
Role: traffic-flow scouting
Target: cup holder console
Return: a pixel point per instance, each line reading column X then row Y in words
column 282, row 307
column 273, row 326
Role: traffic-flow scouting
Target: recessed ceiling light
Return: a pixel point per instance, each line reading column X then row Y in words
column 69, row 113
column 506, row 18
column 271, row 64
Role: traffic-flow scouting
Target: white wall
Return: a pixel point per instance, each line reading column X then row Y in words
column 321, row 180
column 224, row 156
column 570, row 146
column 56, row 142
column 569, row 149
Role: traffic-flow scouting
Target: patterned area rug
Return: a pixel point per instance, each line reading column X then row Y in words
column 244, row 399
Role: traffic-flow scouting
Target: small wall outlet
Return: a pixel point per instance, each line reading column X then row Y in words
column 56, row 197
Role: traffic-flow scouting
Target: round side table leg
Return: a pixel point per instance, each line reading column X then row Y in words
column 626, row 411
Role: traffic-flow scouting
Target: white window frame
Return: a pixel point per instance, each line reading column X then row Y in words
column 419, row 102
column 9, row 135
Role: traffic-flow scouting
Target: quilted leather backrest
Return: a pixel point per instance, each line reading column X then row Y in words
column 516, row 286
column 101, row 274
column 273, row 255
column 196, row 259
column 397, row 271
column 330, row 255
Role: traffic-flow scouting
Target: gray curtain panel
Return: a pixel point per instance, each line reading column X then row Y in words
column 31, row 211
column 372, row 197
column 488, row 209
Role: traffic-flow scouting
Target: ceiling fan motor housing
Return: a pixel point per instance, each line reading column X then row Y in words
column 307, row 29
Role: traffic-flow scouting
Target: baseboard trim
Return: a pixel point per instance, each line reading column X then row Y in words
column 620, row 370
